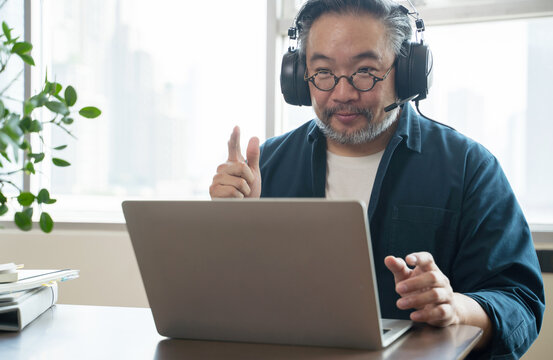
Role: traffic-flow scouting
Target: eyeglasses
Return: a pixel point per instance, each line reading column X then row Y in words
column 361, row 80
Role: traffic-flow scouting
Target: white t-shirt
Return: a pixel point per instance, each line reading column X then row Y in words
column 351, row 177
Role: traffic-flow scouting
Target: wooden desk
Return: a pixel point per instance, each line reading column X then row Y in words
column 98, row 332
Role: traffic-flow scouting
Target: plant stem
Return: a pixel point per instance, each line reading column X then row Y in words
column 11, row 82
column 11, row 173
column 10, row 98
column 11, row 183
column 5, row 63
column 67, row 131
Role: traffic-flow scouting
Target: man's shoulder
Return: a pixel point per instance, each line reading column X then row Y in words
column 446, row 138
column 294, row 138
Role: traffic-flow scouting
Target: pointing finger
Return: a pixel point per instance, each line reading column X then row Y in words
column 234, row 153
column 398, row 267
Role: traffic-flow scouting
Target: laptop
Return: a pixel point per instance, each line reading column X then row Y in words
column 278, row 271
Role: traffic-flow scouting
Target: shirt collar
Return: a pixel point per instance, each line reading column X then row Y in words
column 314, row 132
column 408, row 128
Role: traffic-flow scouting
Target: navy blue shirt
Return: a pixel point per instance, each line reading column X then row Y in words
column 437, row 191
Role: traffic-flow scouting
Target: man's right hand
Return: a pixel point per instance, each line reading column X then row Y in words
column 238, row 178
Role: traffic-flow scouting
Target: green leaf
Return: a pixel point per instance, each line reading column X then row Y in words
column 12, row 129
column 67, row 120
column 46, row 222
column 35, row 126
column 70, row 96
column 6, row 30
column 21, row 48
column 37, row 157
column 60, row 162
column 52, row 88
column 30, row 168
column 27, row 58
column 47, row 87
column 55, row 89
column 8, row 142
column 3, row 199
column 28, row 107
column 38, row 100
column 4, row 139
column 5, row 155
column 3, row 209
column 23, row 221
column 57, row 107
column 29, row 212
column 43, row 197
column 25, row 198
column 1, row 109
column 90, row 112
column 25, row 123
column 61, row 147
column 25, row 145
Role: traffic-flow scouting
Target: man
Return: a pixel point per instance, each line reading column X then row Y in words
column 438, row 201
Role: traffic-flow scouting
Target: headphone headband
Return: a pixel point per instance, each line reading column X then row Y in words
column 413, row 65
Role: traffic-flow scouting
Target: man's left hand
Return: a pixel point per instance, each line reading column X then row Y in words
column 425, row 288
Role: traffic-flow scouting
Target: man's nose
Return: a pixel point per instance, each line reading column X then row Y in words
column 344, row 91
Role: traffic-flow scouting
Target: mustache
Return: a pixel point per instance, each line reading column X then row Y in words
column 350, row 109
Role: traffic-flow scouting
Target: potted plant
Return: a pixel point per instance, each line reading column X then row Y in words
column 19, row 126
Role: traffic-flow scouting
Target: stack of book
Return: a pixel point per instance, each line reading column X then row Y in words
column 25, row 294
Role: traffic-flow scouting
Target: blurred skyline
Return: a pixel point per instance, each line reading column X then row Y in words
column 149, row 141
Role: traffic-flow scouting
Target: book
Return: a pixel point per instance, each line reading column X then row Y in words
column 30, row 279
column 7, row 298
column 9, row 276
column 19, row 309
column 8, row 267
column 9, row 273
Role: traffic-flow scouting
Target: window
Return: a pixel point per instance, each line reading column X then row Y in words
column 491, row 83
column 171, row 78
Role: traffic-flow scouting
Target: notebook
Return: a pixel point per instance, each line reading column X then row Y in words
column 279, row 271
column 30, row 279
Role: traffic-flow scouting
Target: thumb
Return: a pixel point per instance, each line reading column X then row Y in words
column 252, row 153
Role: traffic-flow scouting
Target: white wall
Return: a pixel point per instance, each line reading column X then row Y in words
column 108, row 270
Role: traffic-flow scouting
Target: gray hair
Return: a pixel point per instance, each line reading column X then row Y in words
column 396, row 22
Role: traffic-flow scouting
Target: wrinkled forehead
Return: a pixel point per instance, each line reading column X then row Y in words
column 339, row 37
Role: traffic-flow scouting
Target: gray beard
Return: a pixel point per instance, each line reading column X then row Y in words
column 370, row 132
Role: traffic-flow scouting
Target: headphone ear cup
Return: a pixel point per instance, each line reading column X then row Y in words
column 402, row 72
column 292, row 84
column 413, row 71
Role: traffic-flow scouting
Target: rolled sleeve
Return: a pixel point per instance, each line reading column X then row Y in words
column 496, row 240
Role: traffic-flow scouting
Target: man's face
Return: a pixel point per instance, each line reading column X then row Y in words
column 344, row 44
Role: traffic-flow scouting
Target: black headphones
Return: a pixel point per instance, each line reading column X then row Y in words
column 413, row 69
